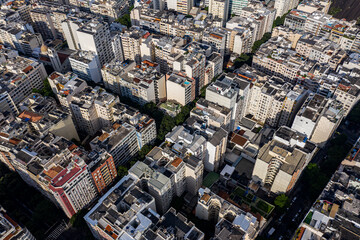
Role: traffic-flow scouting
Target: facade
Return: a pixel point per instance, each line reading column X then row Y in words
column 20, row 75
column 73, row 188
column 11, row 230
column 180, row 88
column 86, row 65
column 95, row 36
column 120, row 141
column 102, row 168
column 281, row 161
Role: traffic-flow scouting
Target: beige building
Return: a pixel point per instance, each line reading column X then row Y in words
column 180, row 88
column 281, row 161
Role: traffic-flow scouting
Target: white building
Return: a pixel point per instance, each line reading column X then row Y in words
column 86, row 65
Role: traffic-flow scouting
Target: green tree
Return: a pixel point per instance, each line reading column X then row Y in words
column 282, row 201
column 124, row 20
column 122, row 171
column 314, row 179
column 46, row 91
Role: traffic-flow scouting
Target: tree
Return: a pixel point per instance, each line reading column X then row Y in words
column 46, row 91
column 122, row 171
column 124, row 20
column 314, row 179
column 282, row 201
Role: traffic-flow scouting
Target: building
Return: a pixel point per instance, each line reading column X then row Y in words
column 11, row 230
column 283, row 6
column 73, row 188
column 232, row 92
column 112, row 72
column 281, row 161
column 232, row 222
column 86, row 65
column 120, row 141
column 335, row 213
column 274, row 102
column 95, row 36
column 110, row 10
column 20, row 75
column 144, row 83
column 102, row 169
column 236, row 6
column 134, row 216
column 157, row 184
column 220, row 10
column 317, row 114
column 92, row 109
column 180, row 88
column 65, row 86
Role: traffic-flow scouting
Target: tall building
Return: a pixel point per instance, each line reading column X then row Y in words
column 133, row 217
column 73, row 188
column 95, row 36
column 11, row 230
column 236, row 6
column 180, row 88
column 220, row 10
column 281, row 161
column 20, row 75
column 86, row 65
column 120, row 141
column 181, row 6
column 92, row 109
column 283, row 6
column 102, row 169
column 112, row 72
column 65, row 86
column 144, row 83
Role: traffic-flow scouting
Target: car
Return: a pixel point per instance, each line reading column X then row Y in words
column 281, row 237
column 281, row 217
column 300, row 210
column 294, row 199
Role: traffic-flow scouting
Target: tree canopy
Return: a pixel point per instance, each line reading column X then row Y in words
column 282, row 201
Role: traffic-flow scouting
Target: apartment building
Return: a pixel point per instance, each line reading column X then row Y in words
column 95, row 36
column 275, row 102
column 112, row 72
column 276, row 58
column 283, row 6
column 131, row 41
column 219, row 10
column 70, row 26
column 231, row 92
column 180, row 88
column 86, row 65
column 166, row 51
column 102, row 169
column 120, row 141
column 181, row 6
column 110, row 10
column 156, row 183
column 73, row 188
column 144, row 83
column 318, row 118
column 20, row 75
column 231, row 220
column 46, row 20
column 11, row 230
column 281, row 161
column 134, row 217
column 138, row 217
column 29, row 42
column 65, row 86
column 42, row 116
